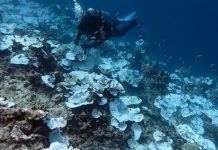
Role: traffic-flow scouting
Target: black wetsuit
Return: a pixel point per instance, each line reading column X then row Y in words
column 95, row 22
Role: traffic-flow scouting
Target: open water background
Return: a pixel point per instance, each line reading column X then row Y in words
column 184, row 29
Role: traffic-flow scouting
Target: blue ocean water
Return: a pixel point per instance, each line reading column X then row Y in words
column 183, row 30
column 117, row 95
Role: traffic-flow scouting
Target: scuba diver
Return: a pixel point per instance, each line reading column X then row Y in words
column 98, row 26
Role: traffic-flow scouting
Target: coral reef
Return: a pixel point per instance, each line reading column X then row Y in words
column 22, row 128
column 86, row 133
column 53, row 95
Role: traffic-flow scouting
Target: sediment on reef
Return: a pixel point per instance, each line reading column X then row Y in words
column 115, row 96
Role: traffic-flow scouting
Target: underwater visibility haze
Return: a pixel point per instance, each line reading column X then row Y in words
column 183, row 29
column 108, row 74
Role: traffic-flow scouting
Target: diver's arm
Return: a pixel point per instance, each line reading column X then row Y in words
column 106, row 16
column 78, row 36
column 105, row 13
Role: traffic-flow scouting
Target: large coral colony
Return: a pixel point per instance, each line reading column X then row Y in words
column 53, row 96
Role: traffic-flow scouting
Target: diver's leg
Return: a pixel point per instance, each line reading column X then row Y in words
column 123, row 27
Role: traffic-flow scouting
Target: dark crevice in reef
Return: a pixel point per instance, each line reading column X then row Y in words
column 22, row 128
column 95, row 134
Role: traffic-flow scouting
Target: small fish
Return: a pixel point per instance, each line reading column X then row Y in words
column 58, row 6
column 116, row 14
column 127, row 65
column 101, row 28
column 141, row 36
column 103, row 21
column 183, row 62
column 198, row 57
column 190, row 67
column 111, row 99
column 170, row 58
column 96, row 32
column 182, row 69
column 212, row 65
column 93, row 38
column 124, row 37
column 180, row 59
column 159, row 45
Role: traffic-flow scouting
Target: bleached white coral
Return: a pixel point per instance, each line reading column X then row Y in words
column 96, row 113
column 48, row 80
column 66, row 63
column 213, row 115
column 55, row 136
column 119, row 70
column 161, row 146
column 81, row 96
column 54, row 123
column 130, row 100
column 58, row 146
column 133, row 144
column 53, row 43
column 191, row 136
column 102, row 101
column 158, row 136
column 106, row 66
column 70, row 55
column 140, row 46
column 25, row 41
column 6, row 103
column 169, row 104
column 116, row 87
column 137, row 130
column 197, row 125
column 89, row 83
column 6, row 43
column 122, row 113
column 189, row 105
column 204, row 80
column 19, row 59
column 176, row 106
column 28, row 41
column 175, row 76
column 188, row 81
column 119, row 125
column 161, row 142
column 132, row 77
column 68, row 51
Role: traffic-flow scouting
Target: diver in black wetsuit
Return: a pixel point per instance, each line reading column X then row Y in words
column 99, row 26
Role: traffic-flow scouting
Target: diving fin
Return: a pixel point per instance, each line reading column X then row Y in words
column 131, row 16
